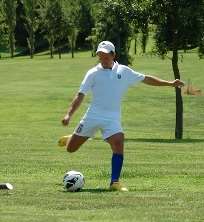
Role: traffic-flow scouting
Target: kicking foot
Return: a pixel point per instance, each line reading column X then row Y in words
column 63, row 140
column 117, row 186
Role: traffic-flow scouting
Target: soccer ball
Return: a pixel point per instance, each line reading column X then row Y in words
column 73, row 181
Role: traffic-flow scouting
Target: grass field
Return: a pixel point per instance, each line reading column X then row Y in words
column 165, row 177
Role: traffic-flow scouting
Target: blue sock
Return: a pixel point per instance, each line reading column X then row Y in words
column 117, row 163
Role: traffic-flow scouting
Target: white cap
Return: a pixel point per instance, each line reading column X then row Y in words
column 105, row 47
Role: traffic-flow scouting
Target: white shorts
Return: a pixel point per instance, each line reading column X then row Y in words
column 88, row 127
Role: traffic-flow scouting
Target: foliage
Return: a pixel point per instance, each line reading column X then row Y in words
column 32, row 17
column 179, row 26
column 71, row 11
column 188, row 25
column 112, row 24
column 21, row 33
column 86, row 23
column 94, row 39
column 4, row 39
column 54, row 23
column 139, row 16
column 119, row 21
column 9, row 11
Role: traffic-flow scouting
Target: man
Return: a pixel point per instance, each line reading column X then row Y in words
column 107, row 82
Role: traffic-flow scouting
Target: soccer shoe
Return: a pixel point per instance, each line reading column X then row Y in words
column 63, row 140
column 117, row 186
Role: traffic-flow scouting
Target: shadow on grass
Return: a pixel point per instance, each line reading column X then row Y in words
column 90, row 190
column 95, row 190
column 86, row 190
column 103, row 190
column 99, row 190
column 152, row 140
column 157, row 140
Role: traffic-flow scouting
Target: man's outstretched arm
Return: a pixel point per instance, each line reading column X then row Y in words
column 154, row 81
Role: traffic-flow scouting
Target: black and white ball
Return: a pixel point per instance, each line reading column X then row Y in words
column 73, row 181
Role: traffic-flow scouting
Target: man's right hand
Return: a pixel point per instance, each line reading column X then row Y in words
column 66, row 120
column 73, row 107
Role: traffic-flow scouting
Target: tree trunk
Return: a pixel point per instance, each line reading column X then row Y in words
column 144, row 37
column 51, row 50
column 11, row 43
column 59, row 52
column 32, row 46
column 179, row 100
column 135, row 45
column 72, row 47
column 72, row 53
column 30, row 41
column 51, row 45
column 144, row 42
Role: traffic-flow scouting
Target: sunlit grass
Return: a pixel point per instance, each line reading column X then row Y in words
column 164, row 176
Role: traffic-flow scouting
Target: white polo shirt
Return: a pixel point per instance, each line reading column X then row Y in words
column 107, row 87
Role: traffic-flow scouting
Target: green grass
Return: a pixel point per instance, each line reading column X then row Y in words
column 165, row 177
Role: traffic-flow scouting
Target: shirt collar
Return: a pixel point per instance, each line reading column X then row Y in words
column 115, row 66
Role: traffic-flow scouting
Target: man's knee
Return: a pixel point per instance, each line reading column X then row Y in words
column 118, row 143
column 75, row 142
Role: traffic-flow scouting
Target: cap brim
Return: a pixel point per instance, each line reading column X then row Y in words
column 103, row 50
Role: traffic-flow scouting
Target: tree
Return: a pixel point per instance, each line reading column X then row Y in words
column 93, row 38
column 180, row 25
column 21, row 34
column 54, row 24
column 135, row 36
column 95, row 35
column 144, row 27
column 3, row 31
column 85, row 23
column 139, row 17
column 31, row 8
column 71, row 11
column 113, row 22
column 9, row 10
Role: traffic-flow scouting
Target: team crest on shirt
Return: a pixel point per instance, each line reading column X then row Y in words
column 119, row 76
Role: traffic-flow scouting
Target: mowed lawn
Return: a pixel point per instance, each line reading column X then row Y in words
column 165, row 177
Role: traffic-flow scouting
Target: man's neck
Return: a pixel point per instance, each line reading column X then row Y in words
column 109, row 66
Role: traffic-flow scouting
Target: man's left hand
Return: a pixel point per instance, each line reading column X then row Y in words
column 177, row 83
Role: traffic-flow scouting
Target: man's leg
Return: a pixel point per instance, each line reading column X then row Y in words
column 75, row 142
column 117, row 145
column 85, row 129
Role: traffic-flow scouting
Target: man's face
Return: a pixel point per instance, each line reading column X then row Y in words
column 106, row 59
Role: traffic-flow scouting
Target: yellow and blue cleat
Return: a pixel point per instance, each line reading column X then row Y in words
column 63, row 140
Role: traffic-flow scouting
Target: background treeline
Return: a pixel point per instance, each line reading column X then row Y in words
column 35, row 25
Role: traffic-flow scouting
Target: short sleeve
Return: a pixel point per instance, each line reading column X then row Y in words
column 134, row 77
column 87, row 83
